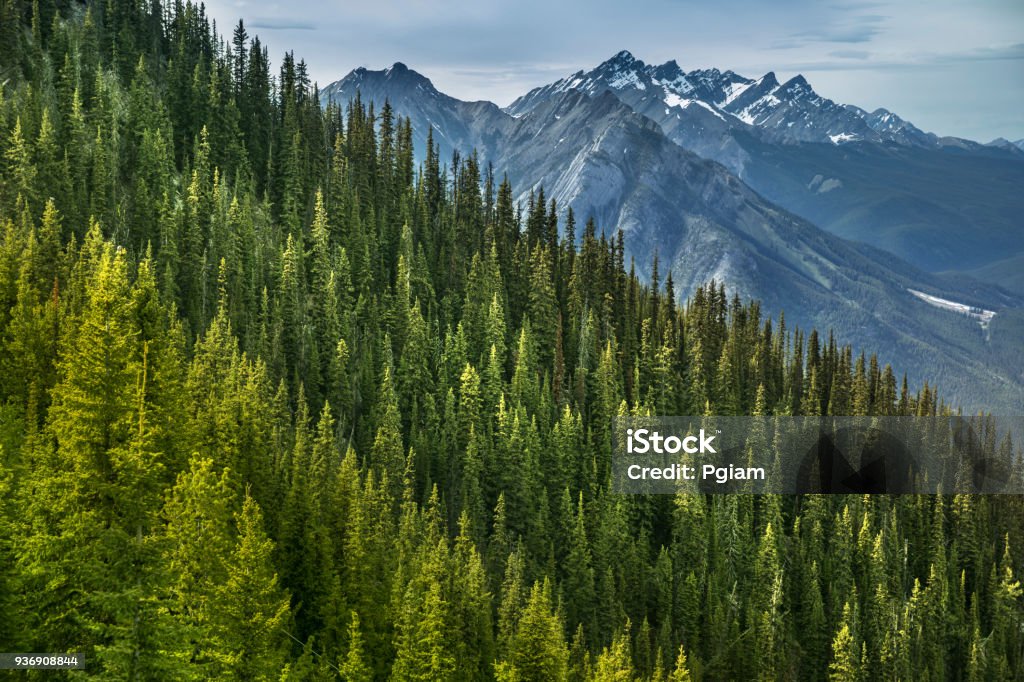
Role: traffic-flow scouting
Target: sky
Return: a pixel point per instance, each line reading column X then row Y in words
column 950, row 67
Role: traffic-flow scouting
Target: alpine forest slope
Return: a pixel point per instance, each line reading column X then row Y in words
column 940, row 203
column 278, row 404
column 593, row 155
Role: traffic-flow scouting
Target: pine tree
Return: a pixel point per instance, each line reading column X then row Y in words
column 251, row 616
column 681, row 672
column 845, row 665
column 537, row 650
column 20, row 169
column 614, row 664
column 199, row 538
column 388, row 454
column 424, row 643
column 93, row 515
column 578, row 587
column 353, row 668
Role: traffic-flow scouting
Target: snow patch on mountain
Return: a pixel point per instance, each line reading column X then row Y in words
column 732, row 91
column 843, row 137
column 674, row 100
column 983, row 317
column 626, row 79
column 707, row 106
column 821, row 184
column 758, row 111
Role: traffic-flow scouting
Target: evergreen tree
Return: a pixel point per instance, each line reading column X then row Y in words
column 251, row 615
column 354, row 668
column 537, row 650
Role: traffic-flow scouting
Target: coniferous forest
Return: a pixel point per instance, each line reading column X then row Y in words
column 277, row 402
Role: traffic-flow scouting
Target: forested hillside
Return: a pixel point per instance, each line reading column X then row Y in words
column 277, row 404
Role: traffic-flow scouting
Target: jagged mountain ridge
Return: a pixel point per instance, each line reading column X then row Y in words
column 597, row 155
column 791, row 111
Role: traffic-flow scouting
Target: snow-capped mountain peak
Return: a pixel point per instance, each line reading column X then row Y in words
column 785, row 111
column 670, row 70
column 624, row 57
column 361, row 78
column 798, row 88
column 622, row 71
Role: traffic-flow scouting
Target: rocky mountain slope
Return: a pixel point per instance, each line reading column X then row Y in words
column 598, row 155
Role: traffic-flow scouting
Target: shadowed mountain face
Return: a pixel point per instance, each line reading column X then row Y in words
column 870, row 177
column 595, row 153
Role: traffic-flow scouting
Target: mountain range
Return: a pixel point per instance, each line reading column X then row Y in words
column 789, row 111
column 940, row 203
column 730, row 178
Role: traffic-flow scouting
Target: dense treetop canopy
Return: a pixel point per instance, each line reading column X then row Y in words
column 277, row 403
